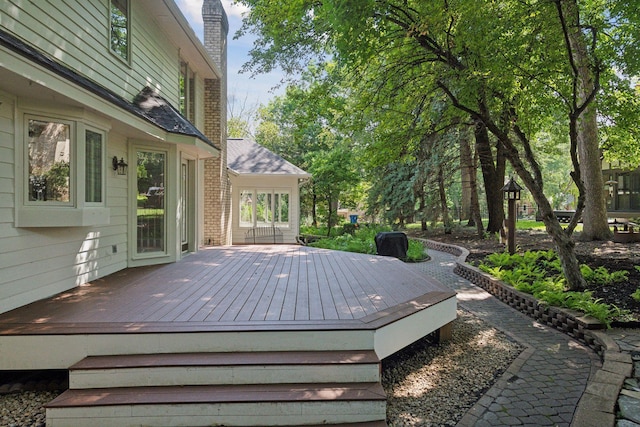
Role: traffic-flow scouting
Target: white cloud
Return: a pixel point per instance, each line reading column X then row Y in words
column 234, row 9
column 192, row 9
column 258, row 90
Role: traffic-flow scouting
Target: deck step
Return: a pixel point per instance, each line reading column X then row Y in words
column 283, row 367
column 240, row 405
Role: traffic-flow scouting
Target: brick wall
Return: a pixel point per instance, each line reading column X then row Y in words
column 217, row 191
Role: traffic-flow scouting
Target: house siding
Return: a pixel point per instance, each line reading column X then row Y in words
column 75, row 33
column 40, row 261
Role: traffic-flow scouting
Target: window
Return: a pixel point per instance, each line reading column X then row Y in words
column 63, row 174
column 264, row 208
column 119, row 28
column 281, row 209
column 186, row 84
column 93, row 166
column 49, row 146
column 246, row 208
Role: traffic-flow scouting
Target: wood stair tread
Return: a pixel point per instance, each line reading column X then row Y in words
column 227, row 359
column 222, row 394
column 364, row 424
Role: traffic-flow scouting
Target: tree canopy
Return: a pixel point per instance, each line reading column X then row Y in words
column 509, row 68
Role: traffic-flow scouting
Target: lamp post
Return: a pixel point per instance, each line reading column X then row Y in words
column 512, row 194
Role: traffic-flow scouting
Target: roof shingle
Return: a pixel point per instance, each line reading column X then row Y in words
column 246, row 157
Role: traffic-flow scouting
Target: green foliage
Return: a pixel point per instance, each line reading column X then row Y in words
column 538, row 273
column 57, row 178
column 349, row 228
column 305, row 126
column 601, row 276
column 411, row 70
column 636, row 295
column 363, row 241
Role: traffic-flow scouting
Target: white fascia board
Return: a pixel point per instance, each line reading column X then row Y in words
column 174, row 24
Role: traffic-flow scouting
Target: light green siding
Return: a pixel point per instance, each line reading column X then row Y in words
column 41, row 258
column 37, row 262
column 76, row 34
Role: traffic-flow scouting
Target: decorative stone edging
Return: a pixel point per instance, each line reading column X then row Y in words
column 571, row 322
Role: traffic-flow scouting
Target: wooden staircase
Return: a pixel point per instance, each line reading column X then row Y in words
column 265, row 388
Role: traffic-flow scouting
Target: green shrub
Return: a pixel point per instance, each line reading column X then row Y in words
column 349, row 228
column 363, row 241
column 600, row 276
column 539, row 273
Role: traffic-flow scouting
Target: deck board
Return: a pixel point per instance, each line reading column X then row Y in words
column 240, row 285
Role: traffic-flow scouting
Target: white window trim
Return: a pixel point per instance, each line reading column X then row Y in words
column 254, row 216
column 106, row 163
column 73, row 160
column 126, row 60
column 170, row 253
column 75, row 213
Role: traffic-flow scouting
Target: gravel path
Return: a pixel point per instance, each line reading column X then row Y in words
column 24, row 408
column 435, row 385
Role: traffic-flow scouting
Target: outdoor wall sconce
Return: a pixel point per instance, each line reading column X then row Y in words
column 511, row 193
column 119, row 165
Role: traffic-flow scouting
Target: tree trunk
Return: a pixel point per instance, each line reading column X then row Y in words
column 493, row 176
column 467, row 173
column 564, row 244
column 314, row 210
column 532, row 178
column 594, row 217
column 329, row 216
column 476, row 218
column 443, row 202
column 423, row 216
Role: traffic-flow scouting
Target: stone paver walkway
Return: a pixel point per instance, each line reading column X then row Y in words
column 544, row 385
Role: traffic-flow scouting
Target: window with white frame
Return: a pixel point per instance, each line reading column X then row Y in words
column 119, row 27
column 94, row 161
column 63, row 168
column 187, row 92
column 264, row 208
column 49, row 158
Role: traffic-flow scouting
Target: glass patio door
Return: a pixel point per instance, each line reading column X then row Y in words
column 186, row 221
column 150, row 211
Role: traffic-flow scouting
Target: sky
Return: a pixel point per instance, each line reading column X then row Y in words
column 241, row 88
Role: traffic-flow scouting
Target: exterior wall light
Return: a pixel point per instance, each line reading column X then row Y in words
column 119, row 165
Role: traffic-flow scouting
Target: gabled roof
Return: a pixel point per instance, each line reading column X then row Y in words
column 245, row 157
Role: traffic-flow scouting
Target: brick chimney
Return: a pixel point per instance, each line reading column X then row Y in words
column 217, row 215
column 216, row 29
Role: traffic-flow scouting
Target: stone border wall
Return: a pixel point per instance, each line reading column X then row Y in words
column 572, row 323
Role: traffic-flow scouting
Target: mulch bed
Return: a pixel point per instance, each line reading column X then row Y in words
column 613, row 256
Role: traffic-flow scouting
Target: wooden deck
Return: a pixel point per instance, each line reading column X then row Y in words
column 236, row 289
